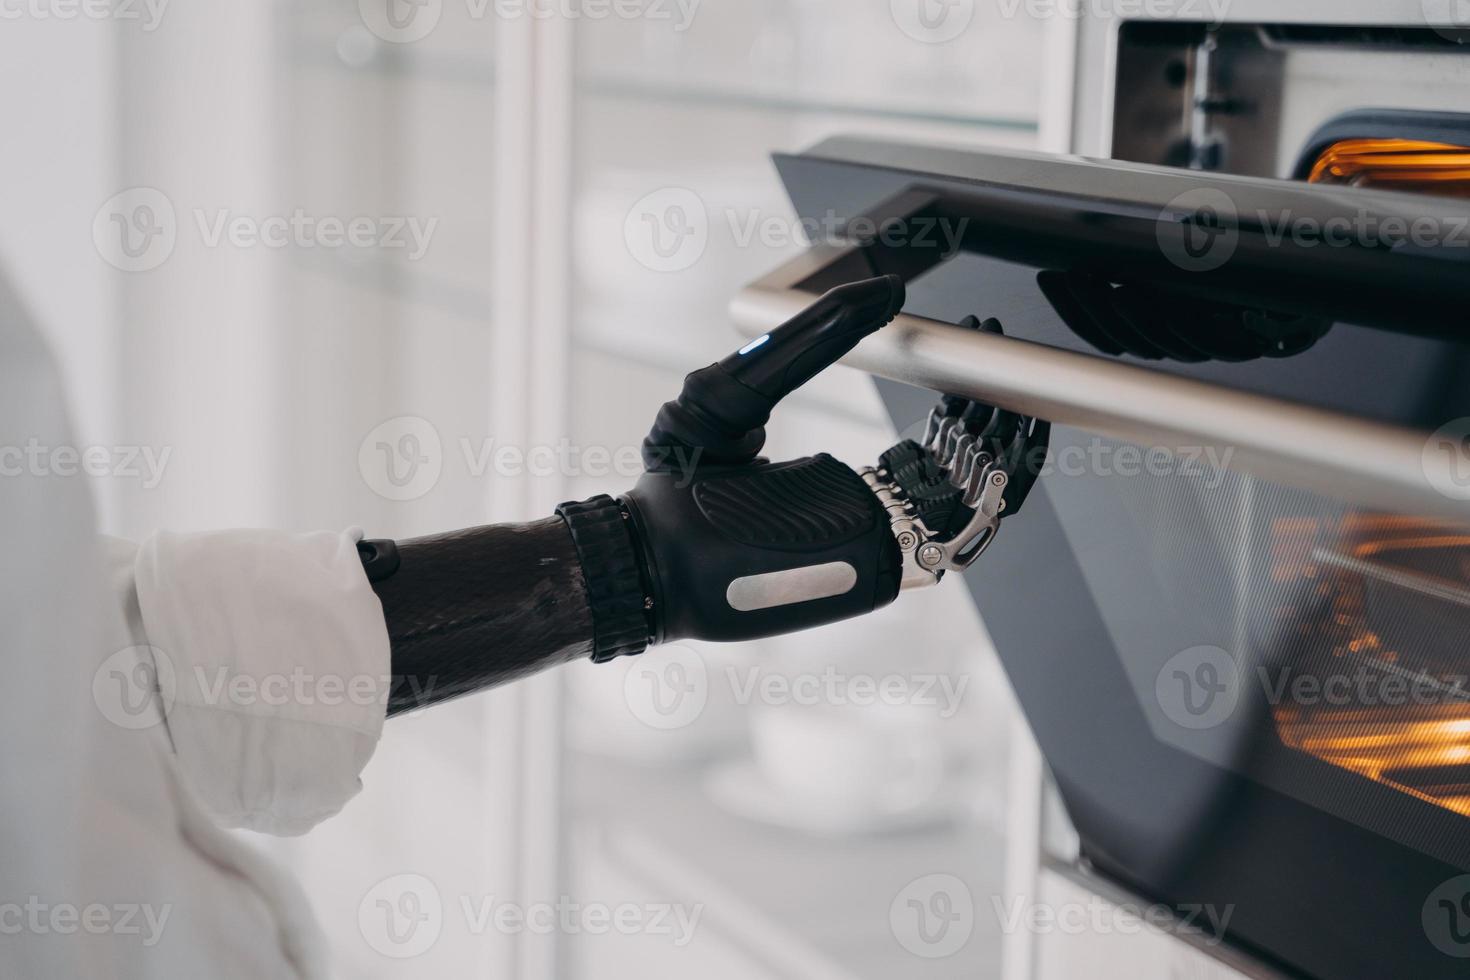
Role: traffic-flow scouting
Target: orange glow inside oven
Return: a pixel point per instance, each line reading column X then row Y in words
column 1428, row 758
column 1419, row 746
column 1417, row 166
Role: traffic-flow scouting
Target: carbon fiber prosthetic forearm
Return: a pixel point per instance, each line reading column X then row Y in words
column 477, row 608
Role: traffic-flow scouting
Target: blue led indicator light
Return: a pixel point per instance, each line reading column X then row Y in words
column 754, row 344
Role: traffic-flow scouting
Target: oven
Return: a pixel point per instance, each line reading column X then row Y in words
column 1236, row 608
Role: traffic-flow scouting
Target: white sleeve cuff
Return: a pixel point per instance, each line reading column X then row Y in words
column 273, row 666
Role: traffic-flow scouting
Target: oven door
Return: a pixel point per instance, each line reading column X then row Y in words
column 1236, row 609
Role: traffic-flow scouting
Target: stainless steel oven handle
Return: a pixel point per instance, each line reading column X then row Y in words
column 1364, row 463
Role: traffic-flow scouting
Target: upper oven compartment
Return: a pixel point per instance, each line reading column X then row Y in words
column 1256, row 98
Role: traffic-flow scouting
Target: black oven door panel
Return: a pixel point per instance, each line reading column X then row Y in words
column 1192, row 646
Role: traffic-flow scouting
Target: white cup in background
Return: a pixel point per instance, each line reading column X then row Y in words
column 852, row 763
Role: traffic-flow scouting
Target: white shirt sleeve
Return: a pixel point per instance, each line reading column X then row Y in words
column 274, row 669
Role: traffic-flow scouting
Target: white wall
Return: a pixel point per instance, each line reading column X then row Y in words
column 198, row 352
column 58, row 166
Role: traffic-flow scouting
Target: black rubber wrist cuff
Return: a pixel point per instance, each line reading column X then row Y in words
column 610, row 565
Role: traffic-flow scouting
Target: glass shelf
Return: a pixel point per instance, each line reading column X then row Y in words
column 332, row 35
column 397, row 279
column 629, row 89
column 324, row 54
column 830, row 895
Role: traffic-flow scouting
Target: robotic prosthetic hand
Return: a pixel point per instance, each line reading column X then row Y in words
column 714, row 543
column 947, row 495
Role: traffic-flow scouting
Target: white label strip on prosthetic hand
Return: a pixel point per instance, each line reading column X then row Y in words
column 785, row 588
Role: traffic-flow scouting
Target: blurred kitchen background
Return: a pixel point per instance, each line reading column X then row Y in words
column 600, row 187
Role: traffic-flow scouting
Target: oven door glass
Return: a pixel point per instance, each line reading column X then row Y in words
column 1252, row 698
column 1284, row 636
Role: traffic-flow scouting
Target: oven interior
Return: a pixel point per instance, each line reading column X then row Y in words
column 1357, row 623
column 1253, row 98
column 1385, row 608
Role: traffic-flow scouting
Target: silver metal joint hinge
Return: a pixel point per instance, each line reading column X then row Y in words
column 980, row 481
